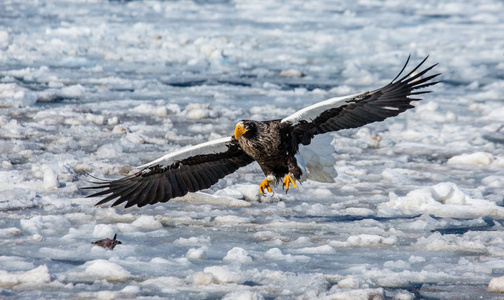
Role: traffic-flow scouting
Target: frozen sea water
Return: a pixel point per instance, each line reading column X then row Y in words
column 97, row 86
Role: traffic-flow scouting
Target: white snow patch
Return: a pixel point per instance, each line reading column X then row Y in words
column 202, row 278
column 496, row 285
column 200, row 253
column 73, row 91
column 102, row 231
column 404, row 295
column 51, row 181
column 151, row 110
column 349, row 283
column 38, row 275
column 243, row 295
column 231, row 220
column 4, row 39
column 147, row 222
column 276, row 254
column 197, row 111
column 193, row 241
column 291, row 73
column 9, row 232
column 120, row 129
column 163, row 282
column 103, row 269
column 371, row 240
column 397, row 264
column 6, row 164
column 223, row 274
column 324, row 249
column 250, row 192
column 416, row 259
column 95, row 119
column 358, row 211
column 135, row 137
column 239, row 255
column 445, row 200
column 109, row 151
column 48, row 224
column 452, row 243
column 17, row 198
column 496, row 114
column 337, row 294
column 477, row 159
column 230, row 192
column 13, row 95
column 204, row 198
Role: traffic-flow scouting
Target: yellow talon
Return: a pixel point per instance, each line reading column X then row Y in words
column 265, row 184
column 288, row 180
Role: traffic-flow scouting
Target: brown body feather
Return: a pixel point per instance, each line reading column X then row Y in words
column 270, row 143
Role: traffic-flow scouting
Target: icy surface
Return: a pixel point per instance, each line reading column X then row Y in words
column 104, row 86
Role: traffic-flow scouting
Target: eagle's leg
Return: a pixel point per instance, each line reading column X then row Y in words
column 287, row 181
column 265, row 184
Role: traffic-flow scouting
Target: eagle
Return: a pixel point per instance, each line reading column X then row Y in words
column 275, row 145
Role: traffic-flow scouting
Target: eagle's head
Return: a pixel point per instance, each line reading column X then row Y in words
column 245, row 128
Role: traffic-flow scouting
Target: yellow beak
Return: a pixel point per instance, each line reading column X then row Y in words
column 239, row 131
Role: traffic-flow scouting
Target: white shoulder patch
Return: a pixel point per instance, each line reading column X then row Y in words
column 313, row 111
column 210, row 147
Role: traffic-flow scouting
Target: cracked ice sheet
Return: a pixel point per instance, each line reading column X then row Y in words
column 416, row 210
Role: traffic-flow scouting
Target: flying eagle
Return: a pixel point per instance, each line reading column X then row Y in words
column 275, row 145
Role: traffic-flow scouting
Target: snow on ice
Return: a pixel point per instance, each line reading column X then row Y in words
column 416, row 210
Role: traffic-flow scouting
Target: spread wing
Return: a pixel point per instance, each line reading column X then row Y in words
column 360, row 109
column 175, row 174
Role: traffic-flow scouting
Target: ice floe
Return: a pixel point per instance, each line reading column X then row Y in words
column 416, row 210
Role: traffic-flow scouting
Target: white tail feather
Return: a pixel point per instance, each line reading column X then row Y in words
column 317, row 159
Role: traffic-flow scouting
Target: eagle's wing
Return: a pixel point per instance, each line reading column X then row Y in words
column 360, row 109
column 175, row 174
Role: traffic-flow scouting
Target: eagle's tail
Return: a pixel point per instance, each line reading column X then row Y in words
column 316, row 160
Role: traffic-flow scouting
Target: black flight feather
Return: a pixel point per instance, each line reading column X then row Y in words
column 160, row 184
column 369, row 107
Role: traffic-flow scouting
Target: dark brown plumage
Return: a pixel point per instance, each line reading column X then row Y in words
column 273, row 144
column 108, row 243
column 269, row 143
